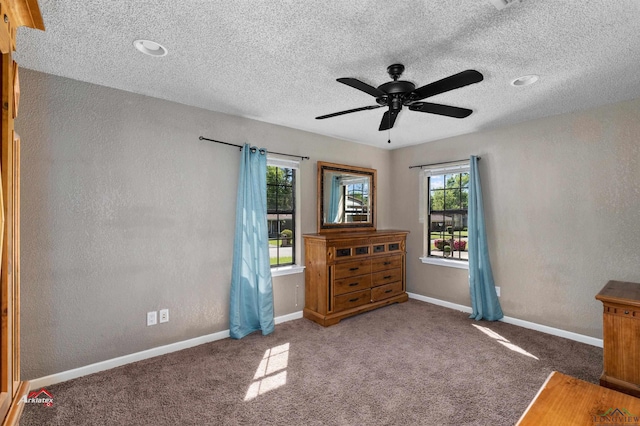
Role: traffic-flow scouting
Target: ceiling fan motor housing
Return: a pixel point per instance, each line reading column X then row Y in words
column 398, row 93
column 397, row 87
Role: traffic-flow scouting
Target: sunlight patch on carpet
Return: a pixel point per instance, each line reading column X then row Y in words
column 504, row 342
column 271, row 373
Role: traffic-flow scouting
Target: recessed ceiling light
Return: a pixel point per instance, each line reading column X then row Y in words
column 150, row 48
column 525, row 80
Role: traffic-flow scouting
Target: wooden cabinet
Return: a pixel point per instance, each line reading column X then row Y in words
column 352, row 272
column 621, row 336
column 565, row 400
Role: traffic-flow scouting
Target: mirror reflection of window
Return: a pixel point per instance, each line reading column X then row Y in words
column 356, row 195
column 348, row 198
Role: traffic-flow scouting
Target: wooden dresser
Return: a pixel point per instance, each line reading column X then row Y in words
column 621, row 336
column 352, row 272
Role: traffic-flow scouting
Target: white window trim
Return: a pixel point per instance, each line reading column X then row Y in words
column 287, row 270
column 280, row 162
column 451, row 263
column 459, row 167
column 296, row 268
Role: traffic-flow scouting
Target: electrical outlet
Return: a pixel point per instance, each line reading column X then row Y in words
column 498, row 291
column 152, row 318
column 164, row 315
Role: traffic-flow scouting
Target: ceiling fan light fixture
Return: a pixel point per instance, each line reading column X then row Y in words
column 525, row 80
column 150, row 48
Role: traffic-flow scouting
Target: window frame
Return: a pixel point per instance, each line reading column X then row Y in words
column 426, row 174
column 293, row 267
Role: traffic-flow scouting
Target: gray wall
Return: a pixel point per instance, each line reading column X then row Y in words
column 562, row 206
column 125, row 211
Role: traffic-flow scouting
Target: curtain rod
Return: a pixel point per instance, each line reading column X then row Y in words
column 202, row 138
column 439, row 164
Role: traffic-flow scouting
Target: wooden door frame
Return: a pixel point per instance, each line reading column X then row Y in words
column 13, row 14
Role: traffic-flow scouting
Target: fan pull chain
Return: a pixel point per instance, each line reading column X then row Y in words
column 389, row 141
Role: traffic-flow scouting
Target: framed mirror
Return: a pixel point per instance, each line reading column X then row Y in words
column 346, row 198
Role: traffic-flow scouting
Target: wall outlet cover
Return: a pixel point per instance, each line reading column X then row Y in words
column 164, row 315
column 152, row 318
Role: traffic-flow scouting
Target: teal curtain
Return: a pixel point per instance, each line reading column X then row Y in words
column 334, row 200
column 251, row 306
column 484, row 300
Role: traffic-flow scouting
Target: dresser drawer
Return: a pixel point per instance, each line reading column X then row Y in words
column 351, row 300
column 386, row 291
column 347, row 285
column 386, row 277
column 384, row 263
column 351, row 269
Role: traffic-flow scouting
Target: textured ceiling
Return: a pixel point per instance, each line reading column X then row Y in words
column 277, row 61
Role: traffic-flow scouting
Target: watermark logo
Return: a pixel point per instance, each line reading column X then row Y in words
column 39, row 397
column 617, row 416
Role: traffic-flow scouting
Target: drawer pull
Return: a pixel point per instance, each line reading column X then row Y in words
column 354, row 269
column 387, row 263
column 354, row 300
column 387, row 277
column 389, row 291
column 353, row 284
column 626, row 312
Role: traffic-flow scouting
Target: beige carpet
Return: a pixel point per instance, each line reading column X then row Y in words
column 407, row 364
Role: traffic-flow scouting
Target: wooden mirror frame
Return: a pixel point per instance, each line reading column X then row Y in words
column 352, row 226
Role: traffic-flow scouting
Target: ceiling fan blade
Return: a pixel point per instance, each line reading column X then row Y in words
column 357, row 84
column 449, row 111
column 335, row 114
column 455, row 81
column 388, row 119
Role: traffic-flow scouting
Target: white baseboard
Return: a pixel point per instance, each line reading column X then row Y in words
column 139, row 356
column 288, row 317
column 439, row 302
column 515, row 321
column 173, row 347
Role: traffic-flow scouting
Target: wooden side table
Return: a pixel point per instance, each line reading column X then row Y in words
column 621, row 336
column 564, row 400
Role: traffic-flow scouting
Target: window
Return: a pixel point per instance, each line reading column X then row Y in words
column 281, row 211
column 356, row 196
column 445, row 226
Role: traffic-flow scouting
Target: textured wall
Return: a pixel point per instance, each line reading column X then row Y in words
column 125, row 211
column 562, row 205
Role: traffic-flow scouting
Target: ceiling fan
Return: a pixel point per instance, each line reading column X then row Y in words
column 398, row 93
